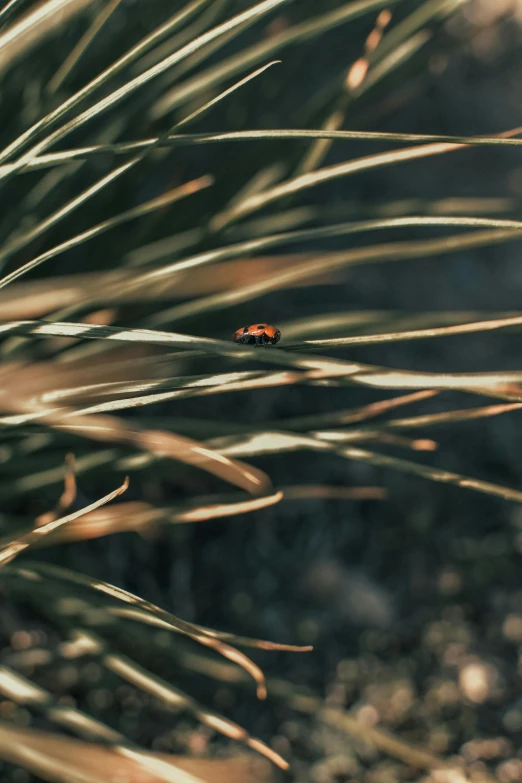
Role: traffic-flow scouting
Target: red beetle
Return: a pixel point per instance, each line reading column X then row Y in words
column 259, row 334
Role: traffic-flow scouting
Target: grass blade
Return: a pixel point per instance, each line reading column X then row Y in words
column 9, row 551
column 106, row 225
column 71, row 61
column 250, row 15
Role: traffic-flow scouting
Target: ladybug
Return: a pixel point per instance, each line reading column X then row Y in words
column 259, row 334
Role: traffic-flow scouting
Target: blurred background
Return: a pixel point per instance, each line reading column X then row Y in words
column 272, row 494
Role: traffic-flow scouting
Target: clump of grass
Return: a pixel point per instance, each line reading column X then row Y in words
column 150, row 205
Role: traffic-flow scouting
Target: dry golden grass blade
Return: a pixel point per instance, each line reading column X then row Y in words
column 433, row 474
column 193, row 62
column 402, row 41
column 282, row 220
column 36, row 381
column 240, row 641
column 20, row 241
column 32, row 482
column 414, row 422
column 271, row 442
column 450, row 417
column 8, row 551
column 219, row 510
column 262, row 179
column 171, row 196
column 416, row 334
column 375, row 436
column 41, row 21
column 221, row 386
column 134, row 516
column 43, row 403
column 142, row 518
column 353, row 415
column 59, row 759
column 250, row 15
column 246, row 641
column 302, row 328
column 36, row 298
column 388, row 320
column 316, row 367
column 139, row 517
column 398, row 57
column 167, row 620
column 380, row 59
column 113, row 430
column 323, row 492
column 164, row 248
column 71, row 61
column 67, row 497
column 115, row 389
column 162, row 444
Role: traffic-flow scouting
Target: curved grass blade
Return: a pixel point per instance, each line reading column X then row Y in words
column 207, row 106
column 10, row 550
column 141, row 678
column 162, row 444
column 139, row 517
column 169, row 621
